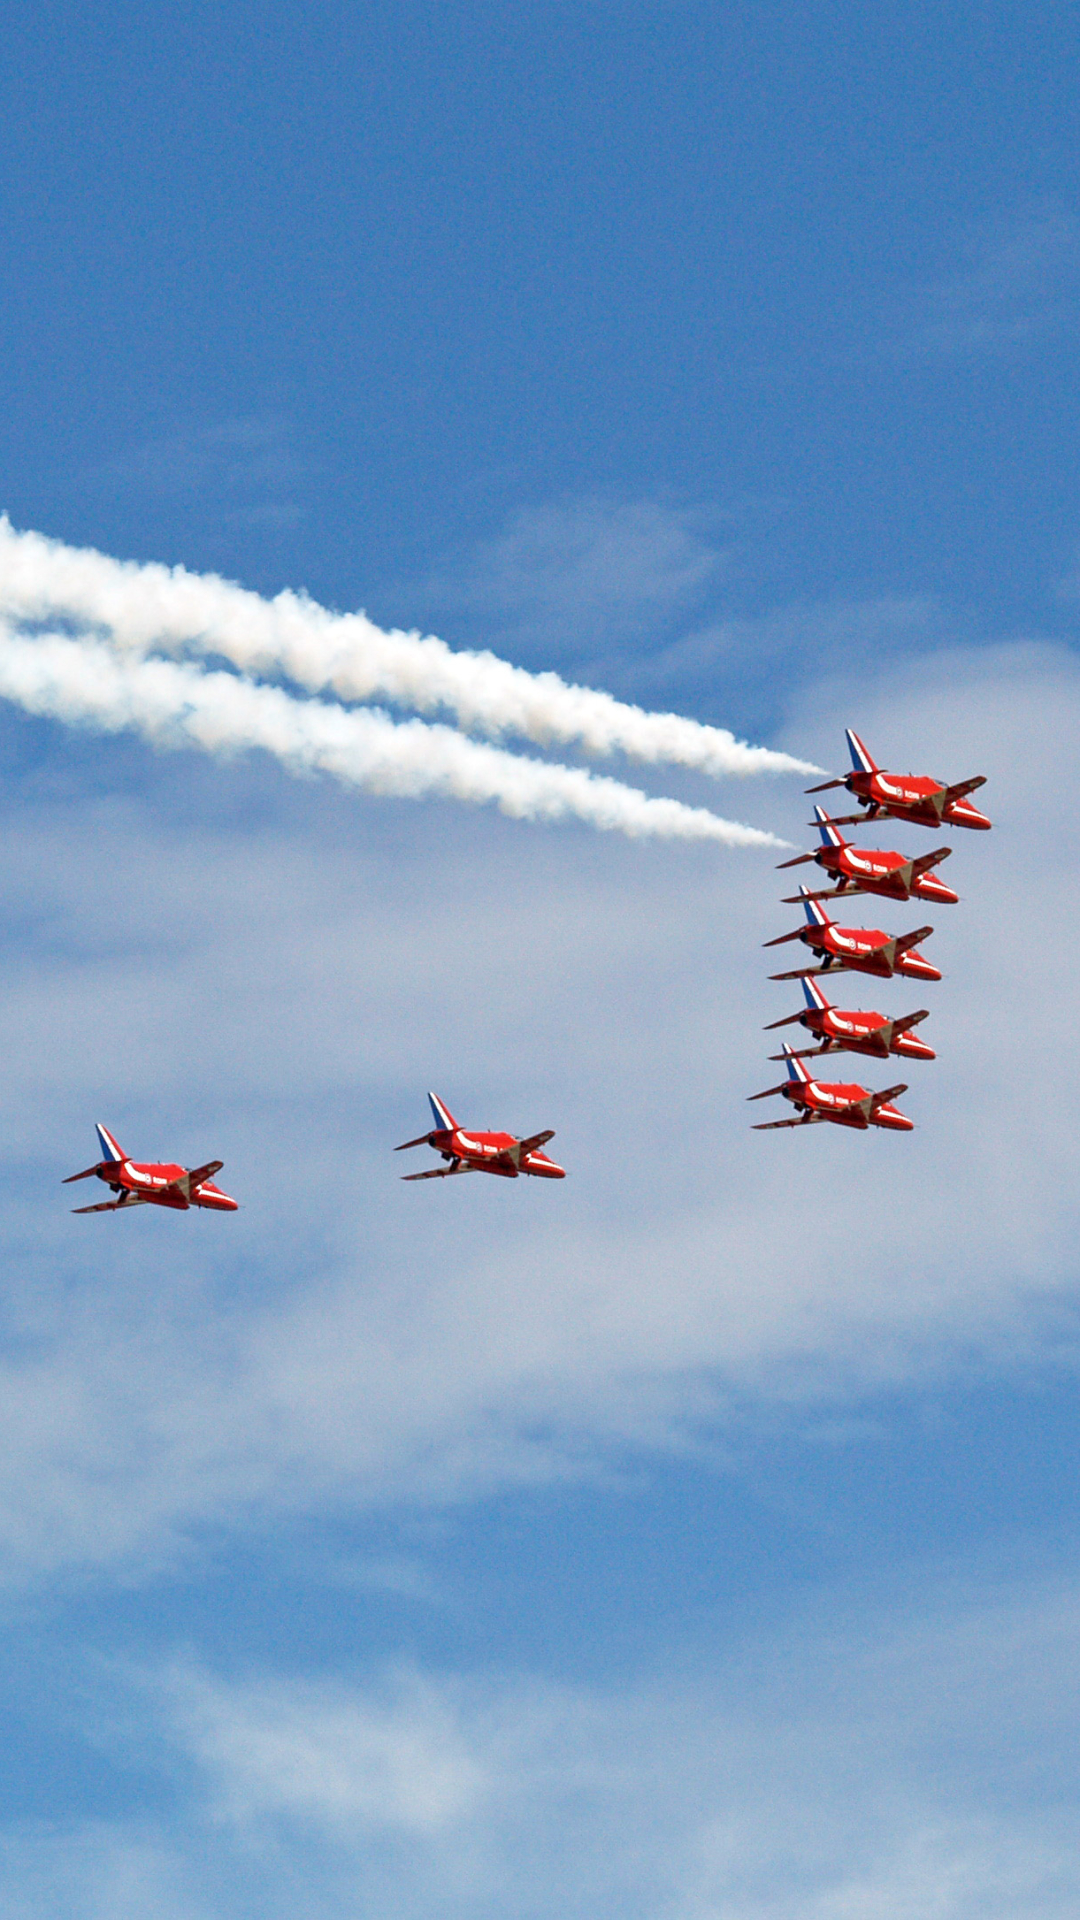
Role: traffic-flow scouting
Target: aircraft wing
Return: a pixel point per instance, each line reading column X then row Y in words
column 927, row 860
column 769, row 1126
column 849, row 819
column 908, row 940
column 965, row 786
column 911, row 1020
column 435, row 1173
column 536, row 1140
column 199, row 1174
column 110, row 1206
column 889, row 1093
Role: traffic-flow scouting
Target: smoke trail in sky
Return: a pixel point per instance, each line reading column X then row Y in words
column 167, row 609
column 86, row 682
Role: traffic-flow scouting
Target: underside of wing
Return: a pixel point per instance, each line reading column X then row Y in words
column 436, row 1173
column 770, row 1126
column 113, row 1206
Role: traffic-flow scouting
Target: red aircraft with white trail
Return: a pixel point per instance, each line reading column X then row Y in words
column 862, row 949
column 470, row 1152
column 845, row 1104
column 851, row 1030
column 158, row 1184
column 871, row 869
column 918, row 798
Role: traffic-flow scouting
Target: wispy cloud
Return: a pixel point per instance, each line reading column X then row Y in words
column 1015, row 285
column 249, row 466
column 150, row 1388
column 582, row 579
column 862, row 1759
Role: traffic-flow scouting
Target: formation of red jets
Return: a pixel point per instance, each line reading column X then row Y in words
column 917, row 799
column 921, row 801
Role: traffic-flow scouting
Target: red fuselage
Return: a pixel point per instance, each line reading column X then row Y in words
column 867, row 950
column 162, row 1185
column 846, row 1105
column 848, row 1030
column 872, row 870
column 493, row 1153
column 914, row 797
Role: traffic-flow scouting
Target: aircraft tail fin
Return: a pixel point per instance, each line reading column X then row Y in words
column 815, row 999
column 109, row 1148
column 862, row 761
column 796, row 1070
column 830, row 836
column 444, row 1119
column 815, row 912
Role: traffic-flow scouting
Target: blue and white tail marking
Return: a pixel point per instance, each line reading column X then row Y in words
column 830, row 836
column 814, row 997
column 815, row 912
column 796, row 1068
column 109, row 1148
column 860, row 759
column 444, row 1119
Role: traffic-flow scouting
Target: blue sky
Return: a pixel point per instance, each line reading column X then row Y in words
column 697, row 1540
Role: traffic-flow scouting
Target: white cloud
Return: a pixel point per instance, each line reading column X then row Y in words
column 282, row 996
column 884, row 1763
column 1015, row 285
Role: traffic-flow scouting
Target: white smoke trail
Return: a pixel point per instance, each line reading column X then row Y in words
column 167, row 609
column 85, row 682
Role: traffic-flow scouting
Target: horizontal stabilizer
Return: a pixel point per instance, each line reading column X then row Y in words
column 789, row 1020
column 965, row 786
column 782, row 937
column 769, row 1091
column 84, row 1175
column 800, row 860
column 824, row 788
column 911, row 1020
column 843, row 892
column 850, row 819
column 905, row 941
column 536, row 1140
column 423, row 1141
column 768, row 1126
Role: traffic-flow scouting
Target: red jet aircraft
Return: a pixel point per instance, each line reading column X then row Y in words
column 923, row 801
column 870, row 870
column 846, row 1105
column 862, row 949
column 846, row 1030
column 501, row 1153
column 138, row 1183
